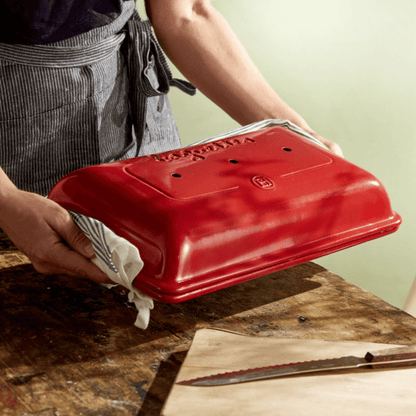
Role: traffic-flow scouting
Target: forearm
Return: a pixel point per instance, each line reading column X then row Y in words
column 6, row 188
column 204, row 48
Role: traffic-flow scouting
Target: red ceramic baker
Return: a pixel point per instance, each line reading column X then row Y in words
column 217, row 214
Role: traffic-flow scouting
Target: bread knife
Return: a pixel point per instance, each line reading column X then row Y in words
column 387, row 358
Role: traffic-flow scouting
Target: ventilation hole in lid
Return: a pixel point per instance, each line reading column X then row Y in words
column 233, row 161
column 286, row 149
column 176, row 175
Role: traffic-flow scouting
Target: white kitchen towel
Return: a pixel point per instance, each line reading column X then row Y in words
column 120, row 260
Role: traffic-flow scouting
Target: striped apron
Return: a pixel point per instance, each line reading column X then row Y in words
column 94, row 98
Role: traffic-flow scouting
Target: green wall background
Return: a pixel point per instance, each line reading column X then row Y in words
column 349, row 68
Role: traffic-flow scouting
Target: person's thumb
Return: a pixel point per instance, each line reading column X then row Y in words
column 77, row 240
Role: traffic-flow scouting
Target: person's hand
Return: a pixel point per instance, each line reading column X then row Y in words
column 333, row 147
column 46, row 233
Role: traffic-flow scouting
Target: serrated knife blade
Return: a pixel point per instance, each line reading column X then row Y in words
column 387, row 358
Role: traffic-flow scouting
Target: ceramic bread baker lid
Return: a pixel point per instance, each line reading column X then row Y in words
column 214, row 215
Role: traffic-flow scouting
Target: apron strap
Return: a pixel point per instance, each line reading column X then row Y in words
column 61, row 56
column 146, row 56
column 148, row 71
column 143, row 52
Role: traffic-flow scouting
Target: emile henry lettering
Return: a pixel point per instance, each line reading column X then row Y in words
column 196, row 153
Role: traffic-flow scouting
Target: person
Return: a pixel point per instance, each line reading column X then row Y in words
column 45, row 132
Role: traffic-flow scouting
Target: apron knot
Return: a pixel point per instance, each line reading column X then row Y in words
column 147, row 57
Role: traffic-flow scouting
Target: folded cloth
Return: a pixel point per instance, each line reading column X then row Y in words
column 120, row 260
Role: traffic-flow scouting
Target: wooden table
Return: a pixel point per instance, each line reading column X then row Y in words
column 68, row 347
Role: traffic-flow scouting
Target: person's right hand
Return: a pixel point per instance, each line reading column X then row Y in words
column 46, row 233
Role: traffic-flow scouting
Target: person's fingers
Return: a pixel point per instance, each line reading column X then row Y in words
column 73, row 252
column 76, row 239
column 333, row 147
column 76, row 265
column 60, row 259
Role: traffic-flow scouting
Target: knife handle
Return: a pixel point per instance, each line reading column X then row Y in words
column 403, row 356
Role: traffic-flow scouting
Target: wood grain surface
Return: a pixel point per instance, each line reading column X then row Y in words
column 69, row 347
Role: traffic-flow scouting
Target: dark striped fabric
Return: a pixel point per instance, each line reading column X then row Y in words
column 94, row 98
column 94, row 230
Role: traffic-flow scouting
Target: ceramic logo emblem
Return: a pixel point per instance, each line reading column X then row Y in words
column 262, row 182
